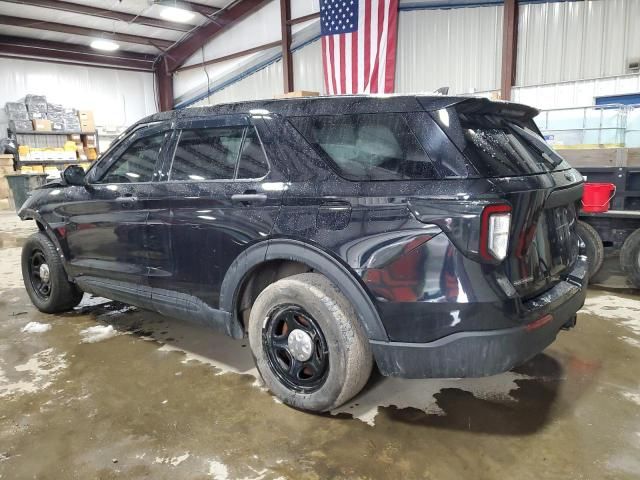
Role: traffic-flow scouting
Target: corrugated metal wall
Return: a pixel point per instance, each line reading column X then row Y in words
column 459, row 48
column 307, row 68
column 563, row 41
column 265, row 83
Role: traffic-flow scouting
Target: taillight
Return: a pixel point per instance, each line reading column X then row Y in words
column 494, row 232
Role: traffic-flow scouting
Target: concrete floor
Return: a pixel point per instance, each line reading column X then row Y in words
column 109, row 391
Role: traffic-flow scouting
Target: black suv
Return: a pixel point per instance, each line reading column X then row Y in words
column 432, row 236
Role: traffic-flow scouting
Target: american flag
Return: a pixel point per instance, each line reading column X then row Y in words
column 359, row 45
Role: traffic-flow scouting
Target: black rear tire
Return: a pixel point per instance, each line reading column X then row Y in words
column 51, row 292
column 340, row 351
column 595, row 248
column 630, row 258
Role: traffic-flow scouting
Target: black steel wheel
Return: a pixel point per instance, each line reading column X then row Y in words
column 44, row 276
column 296, row 348
column 39, row 274
column 309, row 346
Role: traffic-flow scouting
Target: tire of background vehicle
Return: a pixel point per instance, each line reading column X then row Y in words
column 630, row 258
column 595, row 249
column 63, row 295
column 349, row 354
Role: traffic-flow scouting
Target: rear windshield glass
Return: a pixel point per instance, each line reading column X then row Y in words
column 499, row 147
column 367, row 146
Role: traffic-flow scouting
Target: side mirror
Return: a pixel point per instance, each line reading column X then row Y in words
column 74, row 175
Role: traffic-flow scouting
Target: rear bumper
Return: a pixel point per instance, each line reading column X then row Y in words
column 482, row 353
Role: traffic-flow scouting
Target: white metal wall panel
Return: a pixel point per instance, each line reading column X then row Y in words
column 262, row 26
column 459, row 48
column 575, row 94
column 118, row 98
column 263, row 84
column 562, row 41
column 307, row 68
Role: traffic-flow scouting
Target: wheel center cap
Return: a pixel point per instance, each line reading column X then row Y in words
column 300, row 345
column 44, row 272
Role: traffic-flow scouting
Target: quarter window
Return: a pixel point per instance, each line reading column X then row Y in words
column 138, row 161
column 368, row 147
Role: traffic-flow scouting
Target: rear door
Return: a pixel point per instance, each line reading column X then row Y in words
column 216, row 200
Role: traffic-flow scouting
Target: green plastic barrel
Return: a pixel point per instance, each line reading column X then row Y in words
column 20, row 184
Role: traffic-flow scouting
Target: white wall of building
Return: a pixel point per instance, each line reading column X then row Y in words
column 565, row 41
column 118, row 98
column 459, row 48
column 568, row 52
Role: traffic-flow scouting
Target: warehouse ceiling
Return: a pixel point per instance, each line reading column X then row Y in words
column 143, row 30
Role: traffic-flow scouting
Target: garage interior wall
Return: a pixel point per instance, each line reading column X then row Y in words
column 118, row 98
column 459, row 48
column 568, row 52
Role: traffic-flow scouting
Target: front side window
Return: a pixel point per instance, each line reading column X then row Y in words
column 137, row 163
column 368, row 146
column 214, row 153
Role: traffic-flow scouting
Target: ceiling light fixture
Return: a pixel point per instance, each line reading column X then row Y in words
column 175, row 14
column 108, row 45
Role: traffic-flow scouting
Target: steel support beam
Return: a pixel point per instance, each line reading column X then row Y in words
column 231, row 56
column 104, row 13
column 164, row 82
column 177, row 55
column 87, row 32
column 509, row 48
column 287, row 62
column 28, row 48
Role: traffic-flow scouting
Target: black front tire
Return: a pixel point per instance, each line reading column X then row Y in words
column 59, row 294
column 630, row 258
column 595, row 248
column 348, row 353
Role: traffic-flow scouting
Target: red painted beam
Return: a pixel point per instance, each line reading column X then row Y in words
column 76, row 30
column 177, row 55
column 18, row 47
column 509, row 48
column 164, row 81
column 287, row 61
column 104, row 13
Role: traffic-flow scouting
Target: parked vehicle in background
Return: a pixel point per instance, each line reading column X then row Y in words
column 432, row 236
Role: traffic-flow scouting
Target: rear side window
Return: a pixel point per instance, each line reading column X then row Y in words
column 214, row 153
column 498, row 146
column 368, row 146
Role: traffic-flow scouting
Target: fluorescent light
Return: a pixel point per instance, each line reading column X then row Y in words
column 176, row 14
column 105, row 45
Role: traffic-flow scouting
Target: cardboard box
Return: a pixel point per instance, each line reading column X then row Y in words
column 42, row 125
column 91, row 153
column 89, row 141
column 87, row 126
column 75, row 137
column 298, row 94
column 86, row 121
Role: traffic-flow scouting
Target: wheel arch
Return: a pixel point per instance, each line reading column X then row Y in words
column 317, row 260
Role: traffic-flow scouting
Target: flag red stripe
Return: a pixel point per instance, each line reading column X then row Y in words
column 354, row 62
column 376, row 65
column 367, row 42
column 324, row 64
column 390, row 71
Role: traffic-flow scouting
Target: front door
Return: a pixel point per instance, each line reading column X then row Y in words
column 213, row 204
column 106, row 221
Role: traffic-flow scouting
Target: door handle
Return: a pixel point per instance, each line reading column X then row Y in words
column 249, row 198
column 127, row 201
